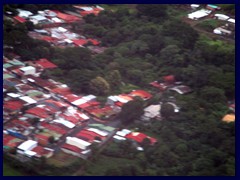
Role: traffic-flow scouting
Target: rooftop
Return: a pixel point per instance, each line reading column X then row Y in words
column 46, row 64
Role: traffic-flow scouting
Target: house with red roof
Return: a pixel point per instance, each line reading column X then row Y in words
column 10, row 141
column 80, row 42
column 139, row 137
column 43, row 151
column 63, row 91
column 40, row 112
column 19, row 19
column 141, row 93
column 49, row 39
column 72, row 97
column 67, row 17
column 170, row 79
column 45, row 63
column 89, row 136
column 13, row 106
column 70, row 149
column 94, row 42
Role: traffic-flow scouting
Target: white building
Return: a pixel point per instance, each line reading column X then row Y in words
column 123, row 132
column 222, row 31
column 199, row 14
column 26, row 146
column 28, row 100
column 28, row 70
column 151, row 111
column 38, row 19
column 97, row 131
column 221, row 17
column 65, row 123
column 77, row 142
column 23, row 13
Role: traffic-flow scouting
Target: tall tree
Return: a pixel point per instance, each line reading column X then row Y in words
column 99, row 86
column 114, row 79
column 131, row 111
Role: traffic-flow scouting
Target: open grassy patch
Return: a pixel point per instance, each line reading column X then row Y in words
column 10, row 171
column 210, row 24
column 105, row 163
column 61, row 159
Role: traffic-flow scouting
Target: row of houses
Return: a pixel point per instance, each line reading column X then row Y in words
column 62, row 37
column 56, row 27
column 80, row 143
column 54, row 16
column 209, row 11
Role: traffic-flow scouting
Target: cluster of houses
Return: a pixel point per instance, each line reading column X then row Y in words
column 53, row 17
column 136, row 137
column 32, row 109
column 209, row 11
column 42, row 115
column 55, row 27
column 169, row 83
column 62, row 37
column 80, row 144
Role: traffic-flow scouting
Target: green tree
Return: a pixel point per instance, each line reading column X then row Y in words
column 114, row 79
column 153, row 10
column 167, row 110
column 131, row 111
column 99, row 86
column 182, row 32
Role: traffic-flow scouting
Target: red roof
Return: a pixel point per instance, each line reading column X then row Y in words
column 139, row 137
column 94, row 41
column 96, row 11
column 70, row 118
column 119, row 104
column 13, row 105
column 40, row 150
column 48, row 39
column 80, row 42
column 89, row 135
column 9, row 141
column 84, row 105
column 62, row 91
column 46, row 64
column 141, row 93
column 169, row 79
column 54, row 128
column 72, row 97
column 72, row 148
column 7, row 138
column 37, row 111
column 19, row 19
column 24, row 123
column 56, row 103
column 67, row 17
column 161, row 86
